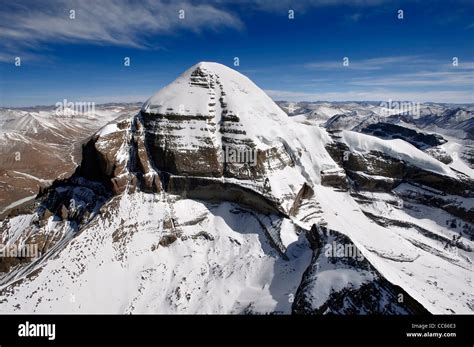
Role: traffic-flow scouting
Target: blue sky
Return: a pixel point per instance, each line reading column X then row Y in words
column 82, row 59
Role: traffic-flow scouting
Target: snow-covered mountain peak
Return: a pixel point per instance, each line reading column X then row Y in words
column 211, row 110
column 217, row 91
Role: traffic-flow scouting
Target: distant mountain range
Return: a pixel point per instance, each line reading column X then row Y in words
column 37, row 146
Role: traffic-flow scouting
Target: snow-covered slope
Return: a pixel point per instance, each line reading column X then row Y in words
column 398, row 149
column 211, row 258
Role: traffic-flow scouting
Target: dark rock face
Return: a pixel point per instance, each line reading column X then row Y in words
column 364, row 181
column 462, row 186
column 164, row 143
column 334, row 178
column 439, row 154
column 375, row 163
column 73, row 199
column 306, row 192
column 214, row 190
column 375, row 171
column 393, row 131
column 99, row 158
column 92, row 163
column 167, row 240
column 73, row 202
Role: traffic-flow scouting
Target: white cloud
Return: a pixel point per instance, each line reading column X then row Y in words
column 368, row 64
column 112, row 22
column 454, row 78
column 279, row 5
column 400, row 73
column 5, row 58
